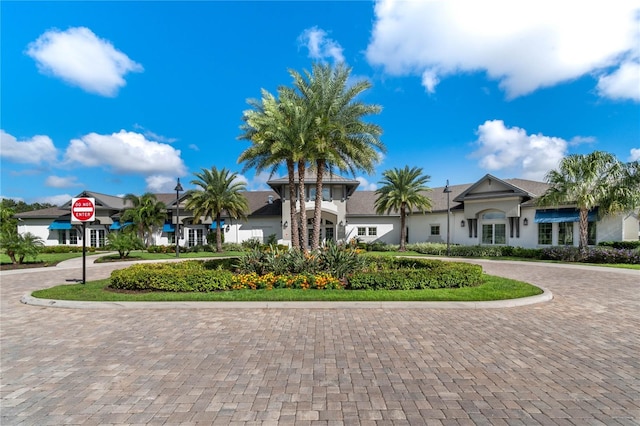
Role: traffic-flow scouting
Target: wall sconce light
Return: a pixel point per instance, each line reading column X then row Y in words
column 285, row 224
column 462, row 224
column 227, row 228
column 341, row 223
column 525, row 222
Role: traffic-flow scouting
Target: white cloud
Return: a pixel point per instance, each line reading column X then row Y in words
column 36, row 150
column 365, row 185
column 56, row 200
column 161, row 183
column 82, row 59
column 154, row 136
column 61, row 182
column 511, row 149
column 257, row 183
column 320, row 46
column 624, row 83
column 526, row 45
column 126, row 152
column 634, row 154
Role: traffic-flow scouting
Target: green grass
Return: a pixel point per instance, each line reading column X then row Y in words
column 520, row 259
column 44, row 259
column 494, row 288
column 143, row 255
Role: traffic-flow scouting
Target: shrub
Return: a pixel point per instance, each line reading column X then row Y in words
column 591, row 255
column 251, row 244
column 418, row 275
column 124, row 243
column 627, row 245
column 67, row 249
column 178, row 277
column 232, row 247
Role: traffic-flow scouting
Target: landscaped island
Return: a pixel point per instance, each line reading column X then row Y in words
column 333, row 273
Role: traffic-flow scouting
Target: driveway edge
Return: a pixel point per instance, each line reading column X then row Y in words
column 546, row 296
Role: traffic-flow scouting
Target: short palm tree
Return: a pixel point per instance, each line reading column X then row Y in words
column 593, row 180
column 146, row 213
column 220, row 190
column 339, row 137
column 403, row 190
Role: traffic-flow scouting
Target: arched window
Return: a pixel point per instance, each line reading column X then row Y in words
column 493, row 215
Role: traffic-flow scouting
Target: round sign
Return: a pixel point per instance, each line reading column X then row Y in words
column 83, row 210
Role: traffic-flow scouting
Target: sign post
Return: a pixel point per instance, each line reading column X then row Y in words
column 83, row 210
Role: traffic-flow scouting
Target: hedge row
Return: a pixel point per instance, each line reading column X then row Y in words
column 411, row 274
column 178, row 277
column 66, row 249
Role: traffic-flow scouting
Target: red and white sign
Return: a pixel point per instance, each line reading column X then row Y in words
column 83, row 210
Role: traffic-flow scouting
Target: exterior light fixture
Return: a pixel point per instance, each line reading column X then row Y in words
column 525, row 222
column 447, row 191
column 462, row 224
column 178, row 188
column 285, row 224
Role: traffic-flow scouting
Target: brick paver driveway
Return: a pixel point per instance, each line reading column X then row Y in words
column 572, row 361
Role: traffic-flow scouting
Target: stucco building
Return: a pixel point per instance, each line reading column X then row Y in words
column 491, row 211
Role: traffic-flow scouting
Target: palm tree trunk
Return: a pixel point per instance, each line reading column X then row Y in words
column 218, row 234
column 403, row 228
column 303, row 208
column 584, row 229
column 295, row 236
column 317, row 219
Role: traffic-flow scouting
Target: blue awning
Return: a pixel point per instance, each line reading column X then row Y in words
column 169, row 227
column 563, row 215
column 60, row 225
column 115, row 226
column 214, row 225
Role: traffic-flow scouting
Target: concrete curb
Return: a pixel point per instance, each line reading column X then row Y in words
column 546, row 296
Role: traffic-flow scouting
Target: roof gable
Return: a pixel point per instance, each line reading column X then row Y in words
column 492, row 187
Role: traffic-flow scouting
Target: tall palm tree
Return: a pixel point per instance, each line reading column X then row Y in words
column 146, row 213
column 278, row 131
column 593, row 180
column 403, row 190
column 219, row 190
column 339, row 137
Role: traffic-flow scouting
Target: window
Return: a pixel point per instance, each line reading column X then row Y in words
column 326, row 193
column 565, row 233
column 435, row 229
column 328, row 234
column 544, row 233
column 494, row 233
column 362, row 231
column 73, row 237
column 97, row 237
column 196, row 237
column 591, row 234
column 493, row 215
column 62, row 237
column 373, row 231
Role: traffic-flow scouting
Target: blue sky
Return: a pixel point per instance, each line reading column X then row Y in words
column 124, row 97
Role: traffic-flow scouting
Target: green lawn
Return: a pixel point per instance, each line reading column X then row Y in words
column 43, row 259
column 494, row 288
column 143, row 255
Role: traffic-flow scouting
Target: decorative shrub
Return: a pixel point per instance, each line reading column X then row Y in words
column 67, row 249
column 270, row 281
column 627, row 245
column 591, row 255
column 416, row 274
column 178, row 277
